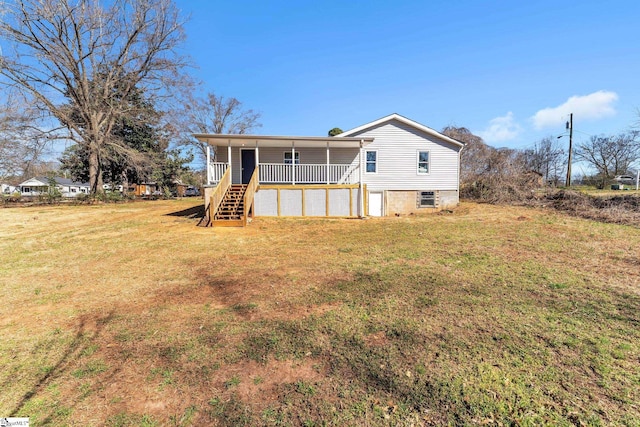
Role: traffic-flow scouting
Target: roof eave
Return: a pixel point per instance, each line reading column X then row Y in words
column 236, row 140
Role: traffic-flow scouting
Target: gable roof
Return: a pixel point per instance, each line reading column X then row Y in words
column 35, row 181
column 407, row 122
column 43, row 181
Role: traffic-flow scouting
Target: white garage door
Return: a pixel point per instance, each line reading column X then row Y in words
column 375, row 204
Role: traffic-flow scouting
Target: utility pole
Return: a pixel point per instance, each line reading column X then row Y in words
column 570, row 127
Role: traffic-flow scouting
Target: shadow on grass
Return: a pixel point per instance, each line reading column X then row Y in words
column 196, row 212
column 81, row 341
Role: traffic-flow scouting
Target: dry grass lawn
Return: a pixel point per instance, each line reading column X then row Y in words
column 129, row 314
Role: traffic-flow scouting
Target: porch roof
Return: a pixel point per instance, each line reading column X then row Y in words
column 220, row 140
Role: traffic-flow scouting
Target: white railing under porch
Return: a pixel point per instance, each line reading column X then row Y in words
column 280, row 173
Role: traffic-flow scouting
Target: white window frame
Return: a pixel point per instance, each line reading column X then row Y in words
column 366, row 162
column 418, row 171
column 288, row 161
column 420, row 205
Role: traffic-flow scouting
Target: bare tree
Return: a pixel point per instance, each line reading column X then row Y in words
column 491, row 174
column 214, row 114
column 474, row 158
column 610, row 155
column 22, row 142
column 83, row 56
column 547, row 158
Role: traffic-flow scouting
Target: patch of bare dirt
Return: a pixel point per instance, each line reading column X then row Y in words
column 263, row 380
column 145, row 389
column 377, row 339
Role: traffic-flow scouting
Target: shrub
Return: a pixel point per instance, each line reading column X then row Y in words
column 11, row 198
column 83, row 198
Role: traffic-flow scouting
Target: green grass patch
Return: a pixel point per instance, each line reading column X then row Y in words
column 91, row 368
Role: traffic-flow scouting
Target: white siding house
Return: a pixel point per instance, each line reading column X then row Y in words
column 7, row 189
column 390, row 166
column 39, row 185
column 409, row 167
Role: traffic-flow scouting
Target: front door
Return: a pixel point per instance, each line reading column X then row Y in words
column 248, row 161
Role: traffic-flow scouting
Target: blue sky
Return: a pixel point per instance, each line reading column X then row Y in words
column 510, row 71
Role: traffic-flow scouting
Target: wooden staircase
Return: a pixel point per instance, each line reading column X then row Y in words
column 230, row 213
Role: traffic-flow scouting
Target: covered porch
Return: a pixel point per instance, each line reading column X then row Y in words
column 284, row 176
column 284, row 160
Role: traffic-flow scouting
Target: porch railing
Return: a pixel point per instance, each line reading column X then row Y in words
column 218, row 194
column 249, row 194
column 277, row 173
column 216, row 171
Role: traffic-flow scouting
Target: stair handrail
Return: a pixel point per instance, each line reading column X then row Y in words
column 218, row 194
column 247, row 200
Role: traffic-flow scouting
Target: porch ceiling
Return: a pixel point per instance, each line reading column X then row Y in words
column 281, row 141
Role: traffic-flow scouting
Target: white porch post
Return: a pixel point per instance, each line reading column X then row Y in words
column 229, row 157
column 293, row 163
column 328, row 180
column 208, row 165
column 361, row 187
column 258, row 160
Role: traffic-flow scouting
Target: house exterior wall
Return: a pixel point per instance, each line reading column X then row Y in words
column 316, row 156
column 408, row 202
column 401, row 202
column 397, row 145
column 448, row 199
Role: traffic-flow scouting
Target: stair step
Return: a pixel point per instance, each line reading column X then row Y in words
column 228, row 223
column 230, row 212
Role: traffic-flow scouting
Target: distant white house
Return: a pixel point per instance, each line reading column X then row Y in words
column 7, row 189
column 390, row 166
column 40, row 185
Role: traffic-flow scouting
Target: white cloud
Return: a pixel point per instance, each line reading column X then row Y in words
column 596, row 105
column 501, row 129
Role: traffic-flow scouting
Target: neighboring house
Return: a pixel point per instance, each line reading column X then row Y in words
column 144, row 189
column 40, row 185
column 7, row 189
column 179, row 188
column 625, row 179
column 393, row 165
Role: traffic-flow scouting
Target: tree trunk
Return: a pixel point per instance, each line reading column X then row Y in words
column 125, row 183
column 95, row 171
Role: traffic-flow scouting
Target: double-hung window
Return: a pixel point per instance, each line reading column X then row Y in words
column 371, row 161
column 423, row 162
column 287, row 157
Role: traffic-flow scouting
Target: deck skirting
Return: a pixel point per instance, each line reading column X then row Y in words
column 317, row 200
